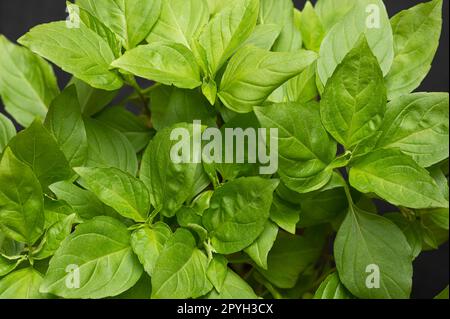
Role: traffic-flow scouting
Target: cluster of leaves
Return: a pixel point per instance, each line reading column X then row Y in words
column 89, row 184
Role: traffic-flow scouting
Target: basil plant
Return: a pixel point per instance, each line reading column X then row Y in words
column 93, row 204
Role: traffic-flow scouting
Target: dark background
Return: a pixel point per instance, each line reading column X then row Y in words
column 431, row 269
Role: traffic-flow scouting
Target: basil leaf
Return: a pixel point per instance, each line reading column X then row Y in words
column 79, row 51
column 234, row 287
column 171, row 105
column 8, row 265
column 108, row 147
column 281, row 12
column 238, row 213
column 354, row 101
column 411, row 229
column 56, row 211
column 303, row 161
column 27, row 83
column 331, row 12
column 170, row 184
column 148, row 242
column 301, row 251
column 217, row 272
column 332, row 288
column 165, row 62
column 376, row 28
column 311, row 28
column 36, row 147
column 7, row 131
column 65, row 123
column 134, row 128
column 263, row 36
column 368, row 245
column 99, row 250
column 253, row 74
column 260, row 248
column 302, row 88
column 119, row 190
column 54, row 237
column 249, row 167
column 284, row 214
column 91, row 100
column 180, row 271
column 396, row 178
column 416, row 39
column 93, row 23
column 443, row 294
column 21, row 284
column 226, row 31
column 417, row 124
column 180, row 21
column 83, row 202
column 131, row 20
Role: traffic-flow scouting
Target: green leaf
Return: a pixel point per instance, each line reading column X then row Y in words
column 7, row 131
column 99, row 252
column 36, row 147
column 249, row 167
column 165, row 62
column 133, row 127
column 368, row 17
column 226, row 31
column 396, row 178
column 331, row 12
column 79, row 51
column 443, row 294
column 91, row 100
column 27, row 83
column 119, row 190
column 56, row 211
column 77, row 14
column 107, row 147
column 141, row 290
column 8, row 265
column 238, row 213
column 416, row 39
column 332, row 288
column 311, row 28
column 411, row 229
column 180, row 271
column 302, row 88
column 84, row 203
column 21, row 284
column 148, row 242
column 131, row 20
column 261, row 247
column 170, row 184
column 54, row 237
column 65, row 123
column 217, row 272
column 264, row 36
column 21, row 200
column 290, row 256
column 171, row 105
column 354, row 101
column 371, row 251
column 180, row 21
column 417, row 124
column 234, row 287
column 253, row 74
column 304, row 147
column 281, row 12
column 284, row 214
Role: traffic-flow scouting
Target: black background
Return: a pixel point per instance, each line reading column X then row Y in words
column 431, row 269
